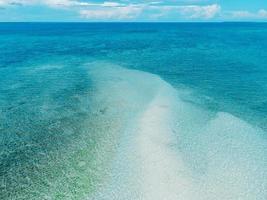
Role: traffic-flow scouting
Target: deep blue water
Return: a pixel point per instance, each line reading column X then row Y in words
column 69, row 94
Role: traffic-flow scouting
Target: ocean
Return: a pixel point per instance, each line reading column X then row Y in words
column 133, row 111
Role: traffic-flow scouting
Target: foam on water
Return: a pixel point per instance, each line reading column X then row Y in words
column 174, row 150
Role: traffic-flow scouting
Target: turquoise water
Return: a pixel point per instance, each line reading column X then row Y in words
column 135, row 111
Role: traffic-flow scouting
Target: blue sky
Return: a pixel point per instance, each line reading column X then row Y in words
column 137, row 10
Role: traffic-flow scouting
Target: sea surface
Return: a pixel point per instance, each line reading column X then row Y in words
column 133, row 111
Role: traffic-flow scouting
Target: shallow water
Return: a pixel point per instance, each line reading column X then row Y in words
column 133, row 111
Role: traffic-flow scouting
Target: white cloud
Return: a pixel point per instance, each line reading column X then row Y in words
column 120, row 12
column 202, row 12
column 56, row 3
column 111, row 4
column 187, row 11
column 241, row 14
column 2, row 3
column 244, row 14
column 64, row 3
column 151, row 10
column 262, row 13
column 6, row 3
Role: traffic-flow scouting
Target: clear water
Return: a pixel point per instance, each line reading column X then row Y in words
column 133, row 111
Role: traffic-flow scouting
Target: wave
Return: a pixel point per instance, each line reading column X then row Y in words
column 171, row 149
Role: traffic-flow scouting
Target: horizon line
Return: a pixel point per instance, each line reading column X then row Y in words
column 133, row 21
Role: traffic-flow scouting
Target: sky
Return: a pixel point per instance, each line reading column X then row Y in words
column 136, row 10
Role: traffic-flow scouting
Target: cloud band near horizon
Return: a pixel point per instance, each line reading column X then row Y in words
column 124, row 10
